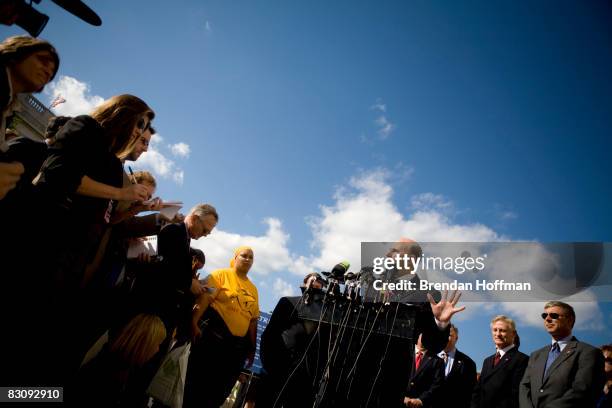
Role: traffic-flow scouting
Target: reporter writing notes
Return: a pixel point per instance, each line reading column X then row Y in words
column 78, row 186
column 227, row 337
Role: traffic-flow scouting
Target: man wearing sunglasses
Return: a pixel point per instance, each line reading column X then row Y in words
column 566, row 373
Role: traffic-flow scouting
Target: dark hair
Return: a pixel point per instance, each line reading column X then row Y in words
column 54, row 125
column 16, row 49
column 197, row 254
column 118, row 116
column 311, row 274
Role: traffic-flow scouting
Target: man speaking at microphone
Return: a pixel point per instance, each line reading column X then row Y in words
column 434, row 311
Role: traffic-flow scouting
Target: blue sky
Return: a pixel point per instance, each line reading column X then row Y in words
column 313, row 126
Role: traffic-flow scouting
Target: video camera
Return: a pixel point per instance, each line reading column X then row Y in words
column 33, row 21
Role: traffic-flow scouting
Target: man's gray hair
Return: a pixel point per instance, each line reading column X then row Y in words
column 505, row 319
column 202, row 210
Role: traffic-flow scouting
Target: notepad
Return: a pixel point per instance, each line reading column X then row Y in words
column 170, row 209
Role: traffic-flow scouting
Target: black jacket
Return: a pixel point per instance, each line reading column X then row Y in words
column 459, row 383
column 499, row 386
column 426, row 383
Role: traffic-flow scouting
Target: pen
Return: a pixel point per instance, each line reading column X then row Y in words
column 133, row 176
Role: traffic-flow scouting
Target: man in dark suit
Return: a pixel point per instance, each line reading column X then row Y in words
column 498, row 385
column 459, row 374
column 426, row 379
column 568, row 373
column 173, row 246
column 434, row 310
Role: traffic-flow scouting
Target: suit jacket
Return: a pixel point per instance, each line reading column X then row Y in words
column 426, row 382
column 173, row 245
column 459, row 383
column 499, row 386
column 575, row 378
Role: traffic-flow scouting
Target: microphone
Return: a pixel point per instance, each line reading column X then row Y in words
column 350, row 275
column 339, row 270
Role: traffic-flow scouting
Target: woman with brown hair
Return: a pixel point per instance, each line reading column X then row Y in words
column 82, row 179
column 115, row 377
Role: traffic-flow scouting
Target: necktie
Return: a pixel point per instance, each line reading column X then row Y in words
column 552, row 356
column 497, row 358
column 445, row 357
column 417, row 361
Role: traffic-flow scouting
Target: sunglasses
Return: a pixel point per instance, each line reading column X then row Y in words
column 142, row 124
column 553, row 316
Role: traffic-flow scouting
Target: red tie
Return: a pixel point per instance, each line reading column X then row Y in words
column 417, row 361
column 497, row 358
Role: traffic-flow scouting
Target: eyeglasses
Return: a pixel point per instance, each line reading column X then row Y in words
column 553, row 316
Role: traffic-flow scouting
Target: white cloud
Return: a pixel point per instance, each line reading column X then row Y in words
column 431, row 201
column 385, row 127
column 364, row 212
column 78, row 96
column 383, row 123
column 284, row 288
column 270, row 250
column 180, row 149
column 379, row 106
column 504, row 214
column 159, row 163
column 207, row 26
column 81, row 101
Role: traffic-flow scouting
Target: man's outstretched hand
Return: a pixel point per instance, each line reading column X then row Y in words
column 445, row 308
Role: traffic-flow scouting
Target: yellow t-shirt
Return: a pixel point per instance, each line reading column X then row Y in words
column 235, row 299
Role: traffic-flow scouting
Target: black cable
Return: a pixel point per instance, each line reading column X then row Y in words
column 384, row 357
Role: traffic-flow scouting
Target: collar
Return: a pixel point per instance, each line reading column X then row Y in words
column 503, row 351
column 562, row 342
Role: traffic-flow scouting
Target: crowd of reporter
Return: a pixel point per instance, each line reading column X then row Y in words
column 78, row 313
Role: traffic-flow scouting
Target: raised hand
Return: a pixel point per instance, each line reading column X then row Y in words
column 445, row 308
